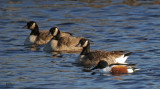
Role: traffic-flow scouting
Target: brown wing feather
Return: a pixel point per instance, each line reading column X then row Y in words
column 66, row 34
column 43, row 38
column 69, row 41
column 92, row 58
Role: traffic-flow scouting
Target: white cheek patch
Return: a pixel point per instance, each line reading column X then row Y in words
column 33, row 26
column 85, row 44
column 82, row 56
column 56, row 32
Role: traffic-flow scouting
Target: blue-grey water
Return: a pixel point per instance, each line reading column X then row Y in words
column 132, row 25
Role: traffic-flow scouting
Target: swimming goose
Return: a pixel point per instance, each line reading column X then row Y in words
column 38, row 37
column 58, row 43
column 89, row 58
column 115, row 68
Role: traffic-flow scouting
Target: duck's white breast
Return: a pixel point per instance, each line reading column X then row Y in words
column 130, row 70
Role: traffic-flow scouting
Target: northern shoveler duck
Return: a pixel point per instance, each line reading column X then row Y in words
column 115, row 68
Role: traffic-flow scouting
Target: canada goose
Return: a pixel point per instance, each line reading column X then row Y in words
column 89, row 58
column 115, row 68
column 67, row 44
column 38, row 37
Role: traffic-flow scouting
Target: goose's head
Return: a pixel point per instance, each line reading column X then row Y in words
column 83, row 43
column 31, row 25
column 54, row 31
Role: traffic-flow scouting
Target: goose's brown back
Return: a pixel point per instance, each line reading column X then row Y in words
column 69, row 41
column 65, row 34
column 92, row 58
column 43, row 38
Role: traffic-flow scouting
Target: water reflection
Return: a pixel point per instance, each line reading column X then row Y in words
column 33, row 47
column 141, row 2
column 99, row 73
column 57, row 55
column 83, row 3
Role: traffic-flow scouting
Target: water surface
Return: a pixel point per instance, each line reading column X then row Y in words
column 131, row 25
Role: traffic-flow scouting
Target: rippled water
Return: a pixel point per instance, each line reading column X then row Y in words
column 132, row 25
